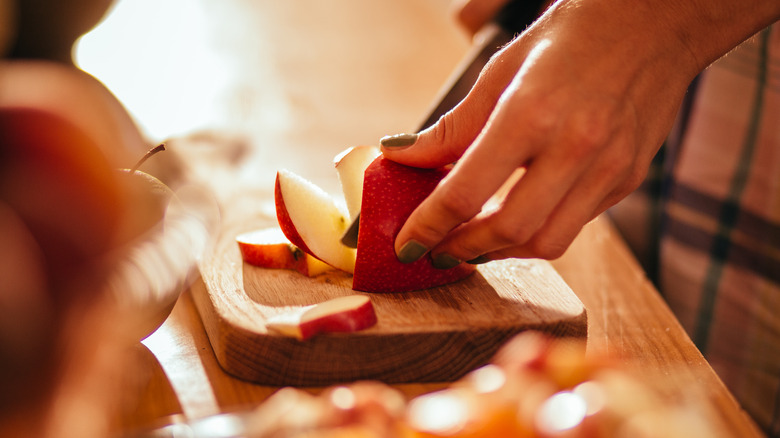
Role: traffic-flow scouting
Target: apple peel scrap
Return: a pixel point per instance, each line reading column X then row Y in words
column 339, row 315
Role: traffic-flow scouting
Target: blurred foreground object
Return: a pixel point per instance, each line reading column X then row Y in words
column 7, row 25
column 96, row 256
column 535, row 386
column 93, row 257
column 542, row 387
column 47, row 29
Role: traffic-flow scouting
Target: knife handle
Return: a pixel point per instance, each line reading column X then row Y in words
column 512, row 19
column 517, row 15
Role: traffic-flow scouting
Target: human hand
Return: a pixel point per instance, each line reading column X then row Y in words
column 580, row 102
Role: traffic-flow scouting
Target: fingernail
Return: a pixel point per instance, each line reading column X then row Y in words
column 445, row 261
column 478, row 260
column 411, row 252
column 398, row 140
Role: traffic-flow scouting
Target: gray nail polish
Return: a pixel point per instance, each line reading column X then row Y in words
column 445, row 261
column 411, row 252
column 398, row 140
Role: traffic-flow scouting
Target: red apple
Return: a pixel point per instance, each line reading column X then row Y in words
column 270, row 248
column 343, row 314
column 391, row 191
column 312, row 220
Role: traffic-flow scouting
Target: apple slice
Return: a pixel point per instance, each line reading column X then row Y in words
column 391, row 191
column 350, row 165
column 270, row 248
column 343, row 314
column 312, row 220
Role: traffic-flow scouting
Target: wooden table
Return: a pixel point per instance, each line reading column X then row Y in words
column 289, row 84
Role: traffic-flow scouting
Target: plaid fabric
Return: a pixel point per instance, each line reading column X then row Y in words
column 706, row 223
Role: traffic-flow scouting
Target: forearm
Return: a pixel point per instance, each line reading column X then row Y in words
column 689, row 34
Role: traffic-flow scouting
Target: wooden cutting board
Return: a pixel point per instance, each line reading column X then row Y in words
column 435, row 335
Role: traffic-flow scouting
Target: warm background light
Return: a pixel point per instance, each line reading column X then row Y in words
column 268, row 73
column 158, row 58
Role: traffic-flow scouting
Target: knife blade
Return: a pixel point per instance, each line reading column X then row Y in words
column 512, row 19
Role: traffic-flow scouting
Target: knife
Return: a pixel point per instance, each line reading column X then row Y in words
column 511, row 20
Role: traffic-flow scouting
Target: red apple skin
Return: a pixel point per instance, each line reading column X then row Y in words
column 391, row 191
column 271, row 256
column 268, row 254
column 269, row 248
column 347, row 321
column 285, row 223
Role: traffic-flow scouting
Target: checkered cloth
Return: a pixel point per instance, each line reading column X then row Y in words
column 706, row 223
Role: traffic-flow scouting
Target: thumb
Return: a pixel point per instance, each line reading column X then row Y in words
column 442, row 143
column 446, row 140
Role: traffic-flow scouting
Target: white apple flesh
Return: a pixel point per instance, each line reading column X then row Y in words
column 312, row 220
column 350, row 165
column 270, row 248
column 343, row 314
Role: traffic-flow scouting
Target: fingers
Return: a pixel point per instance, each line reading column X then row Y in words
column 463, row 193
column 568, row 118
column 550, row 241
column 445, row 142
column 547, row 240
column 539, row 216
column 515, row 230
column 513, row 134
column 532, row 126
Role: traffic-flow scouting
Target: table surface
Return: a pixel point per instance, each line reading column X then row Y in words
column 290, row 84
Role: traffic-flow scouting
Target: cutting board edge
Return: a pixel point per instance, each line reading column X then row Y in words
column 229, row 341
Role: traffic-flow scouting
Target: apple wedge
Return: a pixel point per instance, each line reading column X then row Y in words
column 343, row 314
column 270, row 248
column 312, row 220
column 391, row 191
column 350, row 165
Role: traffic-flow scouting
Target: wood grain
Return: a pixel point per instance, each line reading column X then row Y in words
column 431, row 335
column 629, row 320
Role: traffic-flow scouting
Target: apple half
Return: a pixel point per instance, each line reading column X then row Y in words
column 391, row 191
column 312, row 220
column 270, row 248
column 345, row 314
